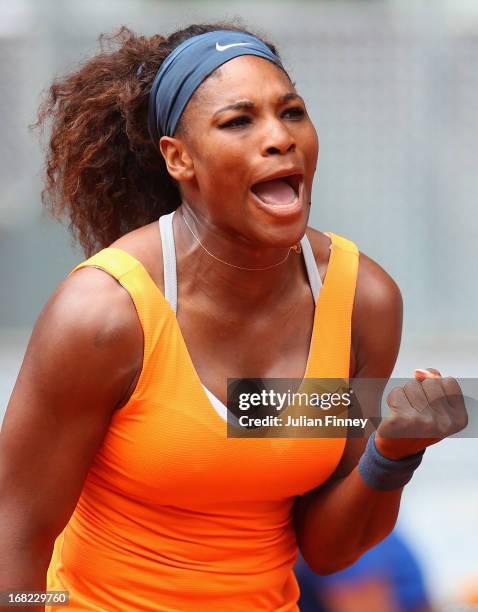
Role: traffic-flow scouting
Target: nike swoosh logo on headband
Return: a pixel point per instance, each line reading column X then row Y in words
column 224, row 47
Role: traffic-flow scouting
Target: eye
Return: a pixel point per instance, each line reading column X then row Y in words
column 295, row 112
column 236, row 122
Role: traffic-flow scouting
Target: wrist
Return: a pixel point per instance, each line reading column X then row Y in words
column 387, row 447
column 383, row 473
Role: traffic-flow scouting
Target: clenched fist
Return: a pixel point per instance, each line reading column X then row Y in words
column 423, row 412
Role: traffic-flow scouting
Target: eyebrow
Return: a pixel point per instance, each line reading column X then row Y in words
column 247, row 104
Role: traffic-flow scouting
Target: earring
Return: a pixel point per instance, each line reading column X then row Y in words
column 297, row 248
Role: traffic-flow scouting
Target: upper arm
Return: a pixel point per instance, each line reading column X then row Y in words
column 80, row 360
column 376, row 321
column 376, row 332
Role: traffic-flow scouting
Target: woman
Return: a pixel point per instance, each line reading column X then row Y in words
column 121, row 485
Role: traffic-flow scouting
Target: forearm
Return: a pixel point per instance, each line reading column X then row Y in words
column 22, row 568
column 337, row 523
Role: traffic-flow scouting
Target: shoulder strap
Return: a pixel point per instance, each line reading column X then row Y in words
column 115, row 261
column 331, row 350
column 169, row 260
column 312, row 269
column 151, row 307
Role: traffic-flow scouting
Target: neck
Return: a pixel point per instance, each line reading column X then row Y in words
column 228, row 268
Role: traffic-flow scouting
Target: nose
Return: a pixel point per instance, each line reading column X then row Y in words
column 277, row 138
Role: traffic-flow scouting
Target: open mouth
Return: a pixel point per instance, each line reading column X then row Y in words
column 282, row 191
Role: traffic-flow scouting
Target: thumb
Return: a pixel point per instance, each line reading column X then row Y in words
column 421, row 374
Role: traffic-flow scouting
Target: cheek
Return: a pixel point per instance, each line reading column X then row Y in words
column 222, row 174
column 223, row 163
column 313, row 141
column 311, row 149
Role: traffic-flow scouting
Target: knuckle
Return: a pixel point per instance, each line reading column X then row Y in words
column 452, row 384
column 440, row 404
column 414, row 392
column 395, row 395
column 458, row 399
column 430, row 383
column 445, row 426
column 462, row 420
column 428, row 423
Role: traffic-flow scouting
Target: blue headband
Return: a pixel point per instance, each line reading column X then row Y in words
column 187, row 66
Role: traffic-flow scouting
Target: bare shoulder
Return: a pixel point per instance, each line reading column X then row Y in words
column 78, row 365
column 91, row 318
column 376, row 291
column 92, row 298
column 377, row 309
column 376, row 319
column 144, row 244
column 374, row 284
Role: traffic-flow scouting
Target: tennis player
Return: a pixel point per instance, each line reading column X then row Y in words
column 185, row 166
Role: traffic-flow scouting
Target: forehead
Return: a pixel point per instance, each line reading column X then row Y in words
column 243, row 77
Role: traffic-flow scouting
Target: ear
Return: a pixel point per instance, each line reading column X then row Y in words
column 178, row 161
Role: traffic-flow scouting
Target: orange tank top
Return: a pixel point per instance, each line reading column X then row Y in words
column 176, row 516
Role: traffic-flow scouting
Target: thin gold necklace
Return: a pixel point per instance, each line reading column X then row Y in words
column 297, row 248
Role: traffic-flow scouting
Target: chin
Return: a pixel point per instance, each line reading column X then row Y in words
column 280, row 233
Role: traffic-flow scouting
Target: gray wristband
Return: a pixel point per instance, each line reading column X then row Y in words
column 386, row 474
